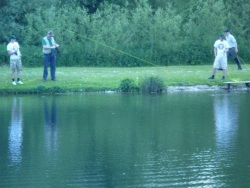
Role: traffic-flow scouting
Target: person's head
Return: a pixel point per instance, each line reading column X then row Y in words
column 50, row 33
column 227, row 31
column 12, row 38
column 222, row 37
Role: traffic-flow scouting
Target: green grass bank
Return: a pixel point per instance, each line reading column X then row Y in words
column 88, row 79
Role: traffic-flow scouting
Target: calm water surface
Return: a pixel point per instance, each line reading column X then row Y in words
column 185, row 139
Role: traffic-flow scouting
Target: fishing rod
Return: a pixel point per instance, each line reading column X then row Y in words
column 110, row 47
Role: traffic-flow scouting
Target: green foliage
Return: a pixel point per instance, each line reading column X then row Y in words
column 203, row 28
column 41, row 89
column 126, row 39
column 124, row 33
column 32, row 56
column 4, row 58
column 128, row 85
column 238, row 19
column 153, row 84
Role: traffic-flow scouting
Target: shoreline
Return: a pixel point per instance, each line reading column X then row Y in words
column 169, row 89
column 110, row 79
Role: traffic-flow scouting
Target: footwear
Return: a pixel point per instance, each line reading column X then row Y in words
column 20, row 82
column 223, row 77
column 212, row 77
column 14, row 83
column 239, row 68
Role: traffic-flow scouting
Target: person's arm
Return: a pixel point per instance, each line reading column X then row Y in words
column 227, row 48
column 19, row 53
column 235, row 43
column 215, row 51
column 45, row 46
column 48, row 47
column 10, row 52
column 55, row 44
column 236, row 46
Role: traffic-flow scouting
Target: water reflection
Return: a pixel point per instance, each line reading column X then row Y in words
column 16, row 131
column 50, row 123
column 226, row 120
column 125, row 140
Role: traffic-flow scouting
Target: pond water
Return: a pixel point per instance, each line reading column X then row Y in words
column 177, row 139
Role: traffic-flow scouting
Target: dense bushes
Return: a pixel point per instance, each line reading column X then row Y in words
column 121, row 36
column 152, row 84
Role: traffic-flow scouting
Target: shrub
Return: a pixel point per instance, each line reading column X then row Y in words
column 152, row 84
column 128, row 85
column 56, row 89
column 41, row 89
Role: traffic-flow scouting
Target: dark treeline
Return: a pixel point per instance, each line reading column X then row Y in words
column 124, row 33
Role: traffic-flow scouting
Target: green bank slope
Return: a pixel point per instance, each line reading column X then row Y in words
column 88, row 79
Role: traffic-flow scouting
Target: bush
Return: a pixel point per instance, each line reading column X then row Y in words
column 152, row 84
column 128, row 85
column 41, row 89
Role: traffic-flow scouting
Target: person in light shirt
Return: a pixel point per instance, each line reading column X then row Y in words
column 50, row 48
column 220, row 52
column 13, row 49
column 233, row 48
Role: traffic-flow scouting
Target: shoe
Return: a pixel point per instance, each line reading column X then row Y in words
column 239, row 68
column 212, row 77
column 14, row 83
column 20, row 82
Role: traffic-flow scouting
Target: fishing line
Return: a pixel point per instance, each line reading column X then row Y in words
column 114, row 49
column 242, row 60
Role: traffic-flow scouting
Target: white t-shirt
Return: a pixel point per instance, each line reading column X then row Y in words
column 221, row 47
column 14, row 47
column 231, row 41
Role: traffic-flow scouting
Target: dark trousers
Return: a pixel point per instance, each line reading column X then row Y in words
column 232, row 53
column 49, row 60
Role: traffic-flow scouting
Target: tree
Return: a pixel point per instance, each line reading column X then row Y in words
column 238, row 19
column 204, row 25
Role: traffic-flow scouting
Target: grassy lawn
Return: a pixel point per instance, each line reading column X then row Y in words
column 78, row 79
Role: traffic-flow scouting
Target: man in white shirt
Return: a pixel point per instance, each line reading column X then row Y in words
column 233, row 48
column 15, row 59
column 220, row 52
